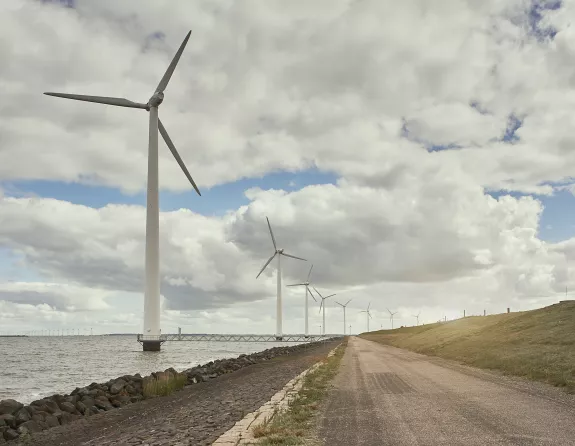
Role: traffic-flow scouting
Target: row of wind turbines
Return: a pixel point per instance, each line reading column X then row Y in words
column 279, row 252
column 152, row 331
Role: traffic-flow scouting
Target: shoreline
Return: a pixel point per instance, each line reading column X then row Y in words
column 95, row 399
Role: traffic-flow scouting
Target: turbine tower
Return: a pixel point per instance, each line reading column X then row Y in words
column 391, row 316
column 322, row 305
column 417, row 317
column 151, row 339
column 367, row 315
column 279, row 253
column 307, row 290
column 343, row 306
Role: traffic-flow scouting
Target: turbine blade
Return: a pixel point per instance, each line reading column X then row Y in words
column 339, row 303
column 318, row 293
column 272, row 234
column 368, row 306
column 119, row 102
column 311, row 294
column 293, row 257
column 296, row 284
column 320, row 305
column 348, row 302
column 309, row 274
column 267, row 263
column 172, row 148
column 329, row 296
column 168, row 74
column 388, row 310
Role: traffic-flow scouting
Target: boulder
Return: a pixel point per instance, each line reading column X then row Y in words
column 52, row 421
column 120, row 400
column 51, row 406
column 68, row 407
column 81, row 407
column 29, row 427
column 10, row 434
column 87, row 401
column 22, row 416
column 136, row 398
column 131, row 390
column 102, row 402
column 117, row 386
column 10, row 406
column 8, row 420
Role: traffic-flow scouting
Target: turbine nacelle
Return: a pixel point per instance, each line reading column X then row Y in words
column 156, row 99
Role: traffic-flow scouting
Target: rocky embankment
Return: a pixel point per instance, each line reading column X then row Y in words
column 18, row 420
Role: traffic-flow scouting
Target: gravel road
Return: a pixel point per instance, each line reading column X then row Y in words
column 196, row 416
column 388, row 396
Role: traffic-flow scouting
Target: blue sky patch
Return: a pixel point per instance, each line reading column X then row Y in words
column 214, row 201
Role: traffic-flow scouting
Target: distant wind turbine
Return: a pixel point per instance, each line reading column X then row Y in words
column 417, row 317
column 367, row 315
column 322, row 305
column 343, row 306
column 279, row 253
column 152, row 274
column 391, row 316
column 307, row 290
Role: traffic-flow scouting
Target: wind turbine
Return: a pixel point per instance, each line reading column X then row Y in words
column 417, row 317
column 307, row 290
column 367, row 315
column 152, row 277
column 343, row 306
column 322, row 304
column 391, row 316
column 279, row 253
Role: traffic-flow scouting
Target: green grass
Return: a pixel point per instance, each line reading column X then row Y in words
column 297, row 425
column 163, row 387
column 538, row 344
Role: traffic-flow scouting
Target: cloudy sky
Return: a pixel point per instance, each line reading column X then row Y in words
column 420, row 156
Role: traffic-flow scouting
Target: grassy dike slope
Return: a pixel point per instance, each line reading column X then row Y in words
column 537, row 344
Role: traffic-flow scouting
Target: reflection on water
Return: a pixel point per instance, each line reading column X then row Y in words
column 34, row 367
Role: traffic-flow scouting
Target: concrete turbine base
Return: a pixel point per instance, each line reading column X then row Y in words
column 151, row 346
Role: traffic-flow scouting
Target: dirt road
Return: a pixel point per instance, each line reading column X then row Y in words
column 389, row 396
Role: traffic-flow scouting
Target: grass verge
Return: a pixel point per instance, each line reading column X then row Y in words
column 165, row 386
column 537, row 344
column 297, row 425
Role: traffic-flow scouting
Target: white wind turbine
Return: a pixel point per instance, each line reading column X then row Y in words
column 322, row 305
column 279, row 253
column 343, row 306
column 391, row 316
column 152, row 279
column 367, row 315
column 417, row 317
column 307, row 290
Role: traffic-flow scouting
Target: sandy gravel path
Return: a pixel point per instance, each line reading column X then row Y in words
column 388, row 396
column 196, row 416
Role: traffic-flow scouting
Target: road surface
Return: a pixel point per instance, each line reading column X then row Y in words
column 388, row 396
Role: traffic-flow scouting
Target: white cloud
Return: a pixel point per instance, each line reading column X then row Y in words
column 357, row 88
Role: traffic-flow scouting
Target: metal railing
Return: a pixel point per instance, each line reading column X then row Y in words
column 236, row 337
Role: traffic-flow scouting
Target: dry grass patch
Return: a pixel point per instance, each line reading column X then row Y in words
column 297, row 425
column 166, row 385
column 538, row 344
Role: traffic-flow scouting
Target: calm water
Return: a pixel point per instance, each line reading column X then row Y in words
column 34, row 367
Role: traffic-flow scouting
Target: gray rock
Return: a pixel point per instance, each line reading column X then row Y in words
column 87, row 401
column 68, row 407
column 30, row 427
column 22, row 416
column 102, row 402
column 117, row 386
column 131, row 389
column 81, row 407
column 52, row 421
column 9, row 420
column 120, row 400
column 51, row 406
column 10, row 406
column 10, row 434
